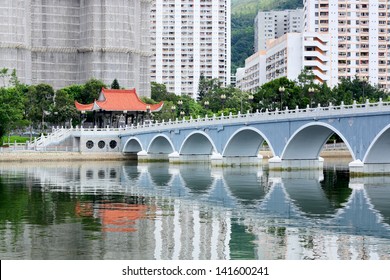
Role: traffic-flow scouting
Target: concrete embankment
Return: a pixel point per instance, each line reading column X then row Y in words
column 329, row 154
column 24, row 156
column 19, row 156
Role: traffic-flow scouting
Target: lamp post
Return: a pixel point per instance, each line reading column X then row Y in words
column 56, row 118
column 173, row 110
column 206, row 104
column 250, row 99
column 311, row 93
column 182, row 113
column 180, row 103
column 281, row 91
column 148, row 112
column 223, row 99
column 364, row 81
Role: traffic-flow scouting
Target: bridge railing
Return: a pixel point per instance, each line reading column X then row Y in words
column 308, row 112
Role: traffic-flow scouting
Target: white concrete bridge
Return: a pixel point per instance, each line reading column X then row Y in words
column 295, row 137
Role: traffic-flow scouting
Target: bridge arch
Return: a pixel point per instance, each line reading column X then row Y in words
column 308, row 140
column 378, row 151
column 133, row 145
column 197, row 143
column 245, row 141
column 160, row 144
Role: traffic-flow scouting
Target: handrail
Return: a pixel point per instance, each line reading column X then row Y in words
column 307, row 112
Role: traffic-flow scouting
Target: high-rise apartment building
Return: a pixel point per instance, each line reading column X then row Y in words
column 250, row 77
column 359, row 32
column 190, row 38
column 67, row 42
column 274, row 24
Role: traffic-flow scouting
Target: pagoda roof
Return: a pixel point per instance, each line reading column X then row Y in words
column 118, row 100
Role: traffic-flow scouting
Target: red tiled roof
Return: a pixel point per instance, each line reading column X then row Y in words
column 118, row 100
column 82, row 107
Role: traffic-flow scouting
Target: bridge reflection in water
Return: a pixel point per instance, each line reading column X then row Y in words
column 161, row 211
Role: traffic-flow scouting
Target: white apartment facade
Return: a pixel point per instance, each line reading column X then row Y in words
column 190, row 38
column 273, row 24
column 359, row 32
column 286, row 57
column 250, row 77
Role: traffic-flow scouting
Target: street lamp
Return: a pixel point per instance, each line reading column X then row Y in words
column 281, row 91
column 148, row 112
column 311, row 93
column 250, row 99
column 364, row 80
column 223, row 98
column 173, row 110
column 206, row 104
column 180, row 103
column 182, row 113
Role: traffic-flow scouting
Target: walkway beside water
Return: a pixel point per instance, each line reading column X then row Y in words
column 24, row 156
column 28, row 156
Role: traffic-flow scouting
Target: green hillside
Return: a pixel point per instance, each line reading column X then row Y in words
column 243, row 15
column 252, row 6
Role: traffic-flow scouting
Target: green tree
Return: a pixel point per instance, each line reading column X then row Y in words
column 115, row 84
column 159, row 93
column 4, row 75
column 14, row 80
column 11, row 110
column 39, row 104
column 166, row 112
column 190, row 107
column 90, row 91
column 207, row 87
column 349, row 90
column 64, row 110
column 74, row 91
column 271, row 95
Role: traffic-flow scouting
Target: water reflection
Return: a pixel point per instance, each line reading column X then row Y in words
column 116, row 210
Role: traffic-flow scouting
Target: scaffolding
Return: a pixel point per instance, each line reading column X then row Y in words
column 68, row 42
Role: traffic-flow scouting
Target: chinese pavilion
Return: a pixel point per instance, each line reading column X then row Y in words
column 118, row 107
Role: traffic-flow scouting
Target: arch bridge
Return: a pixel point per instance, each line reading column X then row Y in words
column 295, row 137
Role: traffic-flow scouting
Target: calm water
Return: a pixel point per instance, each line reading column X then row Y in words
column 117, row 210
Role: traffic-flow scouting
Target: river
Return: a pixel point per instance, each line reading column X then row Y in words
column 124, row 210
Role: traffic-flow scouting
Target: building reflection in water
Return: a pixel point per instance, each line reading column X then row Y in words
column 161, row 211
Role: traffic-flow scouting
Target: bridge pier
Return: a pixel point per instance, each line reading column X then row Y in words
column 276, row 163
column 240, row 161
column 358, row 168
column 176, row 158
column 144, row 156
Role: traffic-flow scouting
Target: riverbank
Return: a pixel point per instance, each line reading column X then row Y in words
column 25, row 156
column 33, row 156
column 328, row 154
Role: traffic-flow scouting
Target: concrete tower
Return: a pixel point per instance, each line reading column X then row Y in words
column 66, row 42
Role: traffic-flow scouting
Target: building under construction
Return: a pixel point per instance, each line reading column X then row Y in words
column 64, row 42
